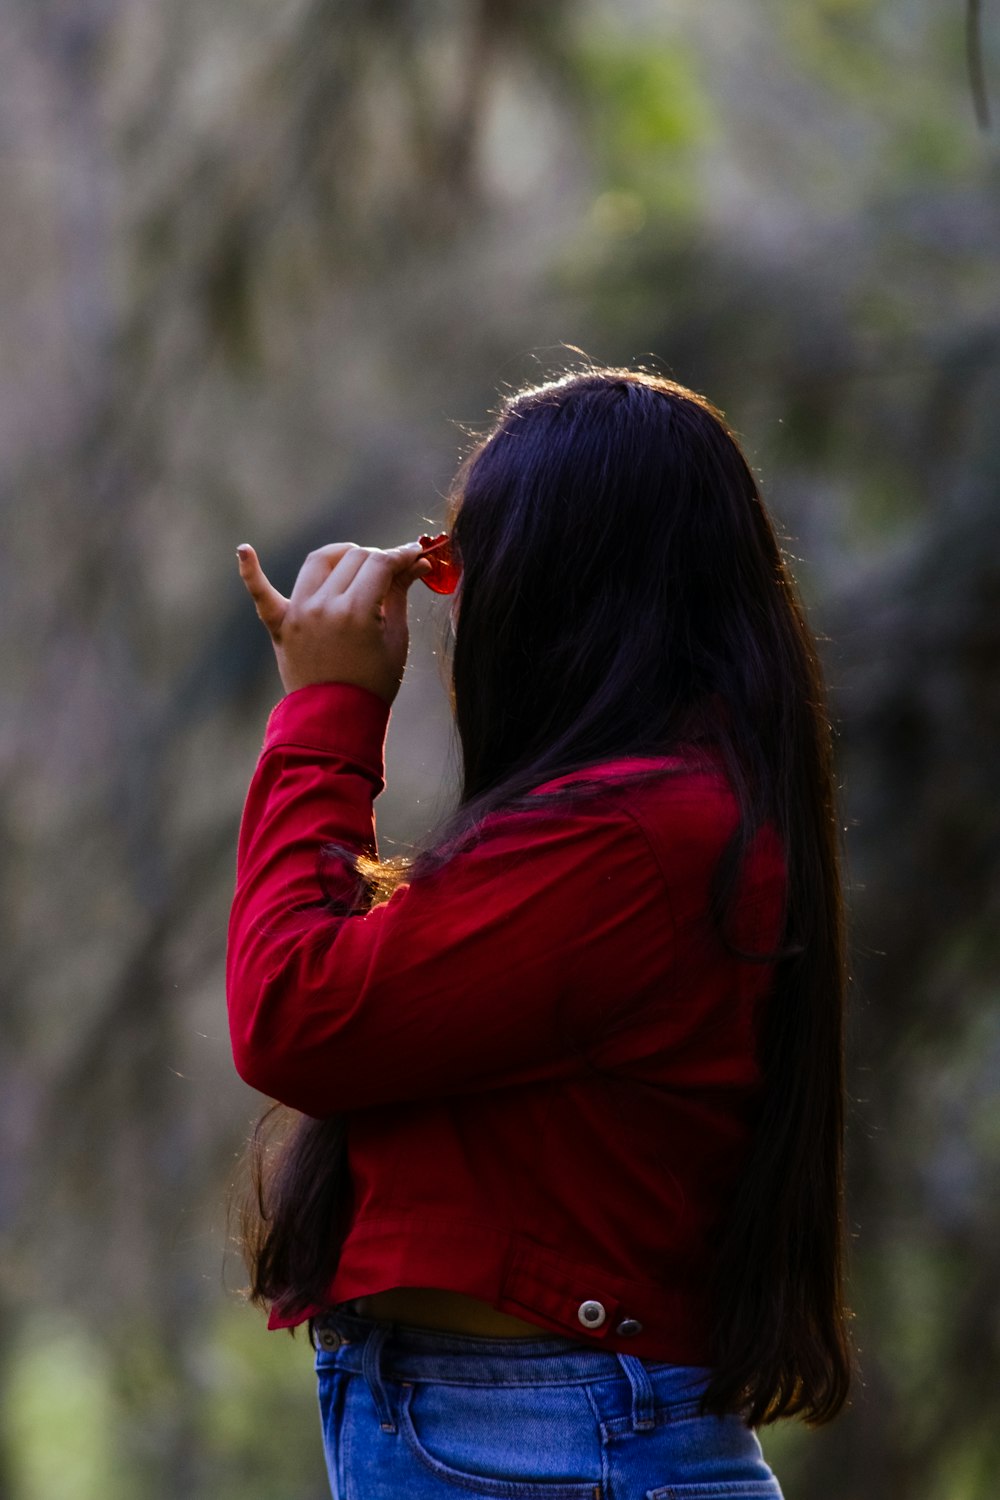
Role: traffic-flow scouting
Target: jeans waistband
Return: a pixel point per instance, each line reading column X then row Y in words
column 404, row 1353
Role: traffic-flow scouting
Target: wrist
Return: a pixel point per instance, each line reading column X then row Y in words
column 331, row 717
column 293, row 682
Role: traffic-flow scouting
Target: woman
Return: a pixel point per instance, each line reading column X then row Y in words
column 564, row 1204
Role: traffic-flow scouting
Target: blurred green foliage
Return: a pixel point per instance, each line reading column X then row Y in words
column 59, row 1416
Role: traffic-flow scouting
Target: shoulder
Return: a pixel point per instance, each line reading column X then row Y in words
column 685, row 810
column 667, row 812
column 688, row 792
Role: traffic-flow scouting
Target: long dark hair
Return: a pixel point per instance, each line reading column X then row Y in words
column 622, row 591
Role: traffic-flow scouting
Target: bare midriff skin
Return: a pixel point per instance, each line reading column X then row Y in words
column 452, row 1312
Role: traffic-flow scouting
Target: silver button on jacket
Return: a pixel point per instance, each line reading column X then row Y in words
column 591, row 1314
column 629, row 1327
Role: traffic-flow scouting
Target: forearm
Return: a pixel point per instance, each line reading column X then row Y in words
column 318, row 774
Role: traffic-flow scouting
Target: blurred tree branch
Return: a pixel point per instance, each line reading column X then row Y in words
column 974, row 55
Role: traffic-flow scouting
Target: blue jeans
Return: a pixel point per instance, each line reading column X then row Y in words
column 414, row 1414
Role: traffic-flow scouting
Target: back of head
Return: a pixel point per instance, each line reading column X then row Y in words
column 622, row 588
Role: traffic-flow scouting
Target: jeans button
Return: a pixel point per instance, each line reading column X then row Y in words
column 629, row 1327
column 329, row 1338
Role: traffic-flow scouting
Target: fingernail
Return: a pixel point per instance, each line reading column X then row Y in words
column 243, row 552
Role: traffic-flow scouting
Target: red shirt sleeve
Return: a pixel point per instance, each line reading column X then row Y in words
column 486, row 973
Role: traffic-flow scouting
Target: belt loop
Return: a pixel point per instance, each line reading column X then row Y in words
column 642, row 1392
column 371, row 1370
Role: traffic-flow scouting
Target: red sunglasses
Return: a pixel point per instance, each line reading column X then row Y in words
column 445, row 571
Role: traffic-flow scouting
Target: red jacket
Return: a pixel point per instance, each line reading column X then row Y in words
column 546, row 1051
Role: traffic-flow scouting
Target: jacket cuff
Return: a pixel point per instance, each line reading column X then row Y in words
column 333, row 718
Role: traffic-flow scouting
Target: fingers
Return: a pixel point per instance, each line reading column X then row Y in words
column 362, row 580
column 338, row 564
column 343, row 575
column 321, row 563
column 270, row 605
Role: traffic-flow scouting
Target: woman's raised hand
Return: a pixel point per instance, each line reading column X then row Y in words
column 346, row 618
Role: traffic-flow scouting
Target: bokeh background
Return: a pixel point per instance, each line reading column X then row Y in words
column 264, row 266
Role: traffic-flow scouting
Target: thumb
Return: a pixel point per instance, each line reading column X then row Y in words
column 407, row 566
column 270, row 605
column 395, row 604
column 419, row 569
column 396, row 599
